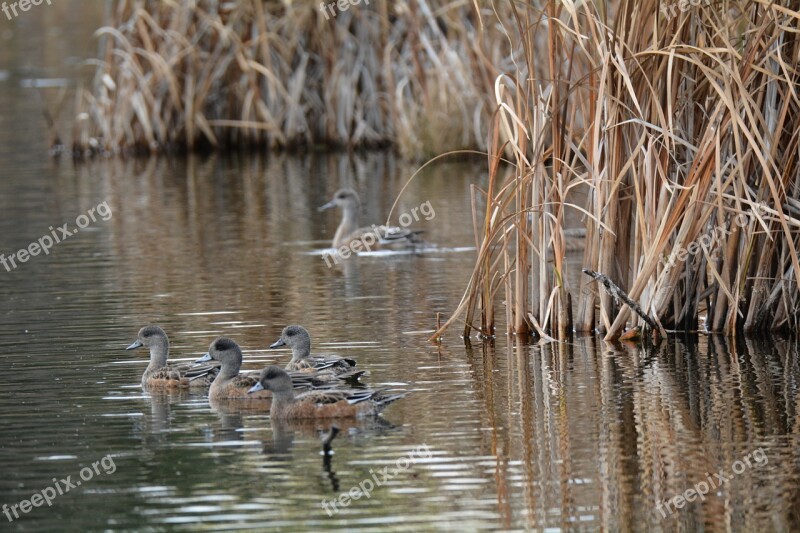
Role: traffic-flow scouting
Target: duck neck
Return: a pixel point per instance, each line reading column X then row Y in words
column 230, row 369
column 347, row 226
column 286, row 395
column 301, row 351
column 159, row 352
column 281, row 400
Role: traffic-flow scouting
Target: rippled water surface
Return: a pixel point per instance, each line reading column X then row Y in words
column 578, row 436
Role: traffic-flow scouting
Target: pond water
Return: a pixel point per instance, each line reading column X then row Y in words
column 498, row 435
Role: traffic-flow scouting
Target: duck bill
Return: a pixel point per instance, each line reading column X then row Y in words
column 255, row 388
column 135, row 344
column 278, row 343
column 330, row 204
column 206, row 358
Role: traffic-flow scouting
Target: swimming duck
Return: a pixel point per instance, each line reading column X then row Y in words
column 159, row 374
column 328, row 367
column 333, row 403
column 231, row 384
column 349, row 231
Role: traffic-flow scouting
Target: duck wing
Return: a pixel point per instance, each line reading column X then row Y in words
column 330, row 361
column 321, row 397
column 395, row 235
column 337, row 368
column 246, row 380
column 208, row 371
column 351, row 396
column 303, row 379
column 386, row 236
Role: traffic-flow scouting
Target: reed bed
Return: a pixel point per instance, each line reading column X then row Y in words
column 682, row 123
column 678, row 119
column 179, row 75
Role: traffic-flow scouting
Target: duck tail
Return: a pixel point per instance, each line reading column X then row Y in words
column 383, row 399
column 352, row 375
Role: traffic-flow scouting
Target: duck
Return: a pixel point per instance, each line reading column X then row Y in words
column 327, row 367
column 333, row 403
column 349, row 230
column 160, row 374
column 231, row 384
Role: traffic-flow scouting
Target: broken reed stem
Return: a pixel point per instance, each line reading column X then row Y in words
column 619, row 294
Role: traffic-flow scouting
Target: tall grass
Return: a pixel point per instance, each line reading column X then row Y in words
column 684, row 128
column 179, row 75
column 681, row 124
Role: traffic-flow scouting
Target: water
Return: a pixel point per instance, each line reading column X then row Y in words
column 578, row 436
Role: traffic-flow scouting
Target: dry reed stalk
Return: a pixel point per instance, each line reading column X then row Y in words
column 684, row 127
column 680, row 124
column 177, row 75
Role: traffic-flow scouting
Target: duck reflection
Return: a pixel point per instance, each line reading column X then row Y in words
column 286, row 434
column 231, row 414
column 156, row 427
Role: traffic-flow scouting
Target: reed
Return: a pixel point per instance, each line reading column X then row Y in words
column 176, row 75
column 683, row 124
